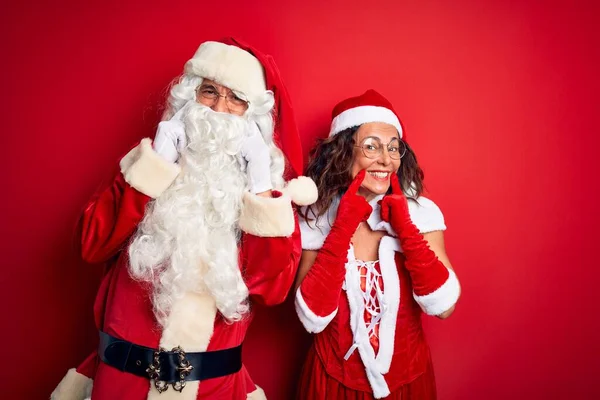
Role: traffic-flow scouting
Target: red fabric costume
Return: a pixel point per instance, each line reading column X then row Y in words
column 399, row 363
column 123, row 307
column 268, row 251
column 369, row 341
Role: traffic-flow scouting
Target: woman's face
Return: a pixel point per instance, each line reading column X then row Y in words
column 379, row 165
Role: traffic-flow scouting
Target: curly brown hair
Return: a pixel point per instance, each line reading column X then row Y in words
column 330, row 164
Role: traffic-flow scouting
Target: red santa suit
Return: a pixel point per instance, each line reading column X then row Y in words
column 268, row 256
column 373, row 344
column 268, row 252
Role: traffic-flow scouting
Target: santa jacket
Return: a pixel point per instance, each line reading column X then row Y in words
column 269, row 252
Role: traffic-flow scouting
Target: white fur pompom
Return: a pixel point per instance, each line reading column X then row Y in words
column 302, row 191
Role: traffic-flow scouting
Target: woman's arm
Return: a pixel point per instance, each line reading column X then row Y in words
column 435, row 240
column 306, row 261
column 322, row 275
column 435, row 286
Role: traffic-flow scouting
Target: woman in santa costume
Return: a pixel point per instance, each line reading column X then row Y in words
column 195, row 228
column 373, row 261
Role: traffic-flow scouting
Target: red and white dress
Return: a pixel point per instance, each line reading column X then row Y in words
column 373, row 345
column 269, row 252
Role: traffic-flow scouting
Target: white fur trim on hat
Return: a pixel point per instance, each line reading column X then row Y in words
column 229, row 66
column 362, row 115
column 267, row 216
column 146, row 171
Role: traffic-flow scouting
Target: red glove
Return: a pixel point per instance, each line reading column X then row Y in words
column 427, row 272
column 322, row 285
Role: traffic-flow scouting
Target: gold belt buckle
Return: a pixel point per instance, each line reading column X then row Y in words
column 154, row 372
column 184, row 368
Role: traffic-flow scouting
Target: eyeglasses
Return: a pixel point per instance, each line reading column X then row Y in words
column 209, row 96
column 372, row 147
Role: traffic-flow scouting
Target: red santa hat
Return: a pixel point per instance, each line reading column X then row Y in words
column 368, row 107
column 243, row 68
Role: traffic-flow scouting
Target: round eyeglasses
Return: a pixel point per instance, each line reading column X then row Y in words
column 209, row 96
column 372, row 147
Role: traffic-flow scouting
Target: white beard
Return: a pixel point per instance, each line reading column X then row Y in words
column 187, row 241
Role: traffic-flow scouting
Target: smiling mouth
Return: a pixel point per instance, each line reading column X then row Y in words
column 379, row 175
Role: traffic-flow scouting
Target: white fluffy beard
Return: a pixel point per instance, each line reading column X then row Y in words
column 187, row 240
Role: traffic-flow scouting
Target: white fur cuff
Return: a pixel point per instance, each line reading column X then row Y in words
column 146, row 171
column 443, row 298
column 258, row 394
column 74, row 386
column 311, row 321
column 267, row 216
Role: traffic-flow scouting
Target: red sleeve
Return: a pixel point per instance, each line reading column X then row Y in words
column 89, row 366
column 109, row 220
column 270, row 265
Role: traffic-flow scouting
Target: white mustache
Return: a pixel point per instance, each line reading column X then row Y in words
column 201, row 126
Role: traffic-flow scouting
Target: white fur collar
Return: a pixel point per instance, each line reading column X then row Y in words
column 375, row 222
column 424, row 213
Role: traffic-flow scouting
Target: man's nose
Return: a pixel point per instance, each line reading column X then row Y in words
column 221, row 105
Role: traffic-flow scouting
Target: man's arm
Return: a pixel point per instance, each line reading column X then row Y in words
column 112, row 215
column 270, row 248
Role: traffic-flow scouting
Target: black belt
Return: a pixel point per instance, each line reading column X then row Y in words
column 168, row 367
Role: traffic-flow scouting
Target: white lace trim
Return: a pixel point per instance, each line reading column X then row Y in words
column 373, row 297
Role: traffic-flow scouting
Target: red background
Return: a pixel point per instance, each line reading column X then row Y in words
column 499, row 101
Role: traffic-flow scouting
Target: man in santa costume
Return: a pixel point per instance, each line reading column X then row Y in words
column 196, row 227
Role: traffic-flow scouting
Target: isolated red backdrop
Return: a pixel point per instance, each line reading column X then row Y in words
column 499, row 101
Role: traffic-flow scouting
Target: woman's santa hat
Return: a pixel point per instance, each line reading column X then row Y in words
column 368, row 107
column 243, row 68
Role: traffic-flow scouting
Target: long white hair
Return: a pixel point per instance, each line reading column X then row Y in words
column 188, row 239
